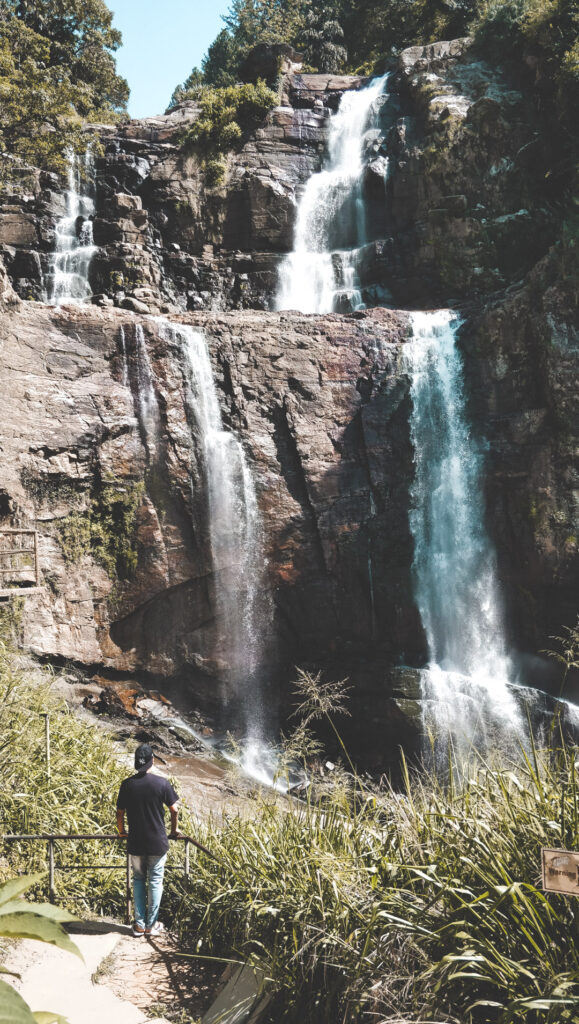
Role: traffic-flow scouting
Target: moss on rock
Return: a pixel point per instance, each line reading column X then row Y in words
column 106, row 529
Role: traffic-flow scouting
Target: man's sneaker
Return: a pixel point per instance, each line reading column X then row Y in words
column 155, row 929
column 138, row 931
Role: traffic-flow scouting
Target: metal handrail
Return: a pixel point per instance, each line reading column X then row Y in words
column 51, row 837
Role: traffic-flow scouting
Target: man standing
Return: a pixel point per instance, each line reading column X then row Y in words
column 143, row 798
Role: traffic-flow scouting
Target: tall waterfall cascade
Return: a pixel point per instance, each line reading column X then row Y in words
column 235, row 537
column 74, row 236
column 321, row 275
column 466, row 684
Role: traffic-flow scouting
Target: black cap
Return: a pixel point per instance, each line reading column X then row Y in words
column 143, row 757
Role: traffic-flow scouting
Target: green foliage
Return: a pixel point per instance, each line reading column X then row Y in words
column 56, row 70
column 106, row 530
column 322, row 39
column 21, row 920
column 415, row 906
column 422, row 906
column 225, row 115
column 220, row 66
column 190, row 90
column 14, row 1010
column 79, row 795
column 11, row 619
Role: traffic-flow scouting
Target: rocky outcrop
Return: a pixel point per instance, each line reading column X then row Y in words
column 467, row 215
column 198, row 246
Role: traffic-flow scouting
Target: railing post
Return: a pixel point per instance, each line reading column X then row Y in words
column 51, row 892
column 36, row 560
column 47, row 741
column 128, row 890
column 186, row 858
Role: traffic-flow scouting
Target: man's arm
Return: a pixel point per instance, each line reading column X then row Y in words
column 174, row 812
column 121, row 823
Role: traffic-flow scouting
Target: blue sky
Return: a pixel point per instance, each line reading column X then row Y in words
column 162, row 41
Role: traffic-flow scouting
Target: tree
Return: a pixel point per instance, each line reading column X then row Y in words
column 220, row 65
column 56, row 71
column 81, row 42
column 38, row 116
column 322, row 38
column 191, row 89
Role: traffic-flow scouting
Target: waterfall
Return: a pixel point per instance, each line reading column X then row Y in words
column 234, row 530
column 124, row 358
column 466, row 683
column 321, row 273
column 74, row 238
column 147, row 403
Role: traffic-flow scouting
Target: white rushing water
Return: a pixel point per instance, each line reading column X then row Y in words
column 147, row 402
column 74, row 238
column 321, row 272
column 466, row 683
column 234, row 533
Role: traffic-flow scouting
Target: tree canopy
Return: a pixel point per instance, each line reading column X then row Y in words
column 57, row 69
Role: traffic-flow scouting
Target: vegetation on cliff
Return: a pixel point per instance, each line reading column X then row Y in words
column 57, row 70
column 537, row 41
column 106, row 529
column 226, row 113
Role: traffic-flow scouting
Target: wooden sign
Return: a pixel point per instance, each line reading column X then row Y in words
column 561, row 871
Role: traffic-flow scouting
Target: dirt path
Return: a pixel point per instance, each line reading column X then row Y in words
column 156, row 978
column 121, row 981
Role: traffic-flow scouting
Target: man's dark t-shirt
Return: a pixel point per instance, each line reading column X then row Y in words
column 144, row 798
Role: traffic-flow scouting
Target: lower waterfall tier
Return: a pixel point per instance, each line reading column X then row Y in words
column 321, row 407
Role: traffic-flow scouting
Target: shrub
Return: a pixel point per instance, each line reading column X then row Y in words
column 225, row 115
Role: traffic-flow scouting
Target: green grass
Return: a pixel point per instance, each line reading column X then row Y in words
column 79, row 796
column 360, row 904
column 414, row 906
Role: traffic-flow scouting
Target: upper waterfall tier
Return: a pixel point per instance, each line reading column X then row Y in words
column 74, row 236
column 320, row 275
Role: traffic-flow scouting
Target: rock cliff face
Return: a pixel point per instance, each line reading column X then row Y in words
column 322, row 409
column 321, row 403
column 450, row 186
column 522, row 355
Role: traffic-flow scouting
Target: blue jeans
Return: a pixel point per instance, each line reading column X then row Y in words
column 148, row 871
